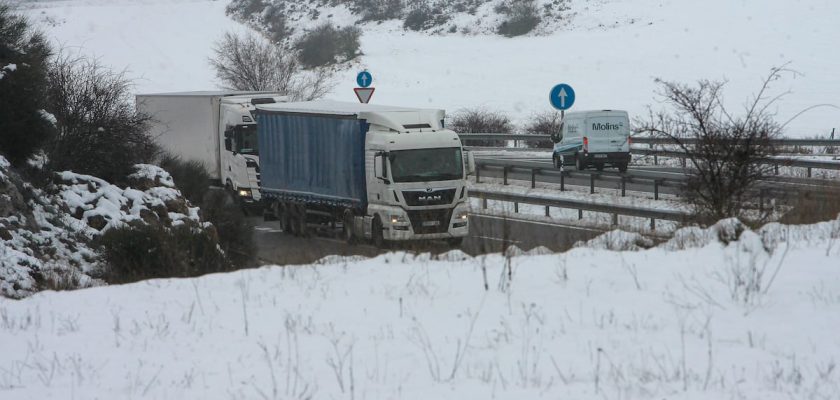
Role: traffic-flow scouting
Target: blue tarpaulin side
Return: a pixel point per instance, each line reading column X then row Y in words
column 313, row 158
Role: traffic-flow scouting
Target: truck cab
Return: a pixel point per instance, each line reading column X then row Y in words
column 417, row 182
column 593, row 138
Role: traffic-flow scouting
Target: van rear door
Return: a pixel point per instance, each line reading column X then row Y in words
column 608, row 133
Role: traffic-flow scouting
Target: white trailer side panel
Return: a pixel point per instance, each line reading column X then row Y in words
column 186, row 126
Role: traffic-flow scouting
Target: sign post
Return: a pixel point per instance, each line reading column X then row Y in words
column 364, row 92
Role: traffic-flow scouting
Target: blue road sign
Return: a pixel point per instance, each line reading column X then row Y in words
column 562, row 97
column 364, row 79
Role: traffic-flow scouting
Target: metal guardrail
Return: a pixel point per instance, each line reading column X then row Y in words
column 777, row 161
column 581, row 206
column 550, row 174
column 642, row 139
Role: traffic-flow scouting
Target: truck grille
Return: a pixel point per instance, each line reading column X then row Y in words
column 430, row 221
column 429, row 198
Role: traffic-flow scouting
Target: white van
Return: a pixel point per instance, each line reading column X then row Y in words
column 593, row 138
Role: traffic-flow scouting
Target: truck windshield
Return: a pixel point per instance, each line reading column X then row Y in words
column 427, row 165
column 245, row 137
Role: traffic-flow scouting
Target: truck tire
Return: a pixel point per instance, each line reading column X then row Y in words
column 580, row 163
column 347, row 227
column 299, row 221
column 455, row 242
column 622, row 167
column 599, row 166
column 376, row 235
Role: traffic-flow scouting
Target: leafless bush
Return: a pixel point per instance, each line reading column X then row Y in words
column 250, row 62
column 522, row 17
column 479, row 120
column 328, row 45
column 724, row 150
column 99, row 131
column 546, row 123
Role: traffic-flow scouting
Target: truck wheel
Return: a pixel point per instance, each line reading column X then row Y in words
column 580, row 164
column 347, row 228
column 299, row 221
column 599, row 166
column 376, row 234
column 622, row 167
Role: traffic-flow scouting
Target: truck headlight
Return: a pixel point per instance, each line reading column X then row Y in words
column 462, row 215
column 244, row 193
column 398, row 219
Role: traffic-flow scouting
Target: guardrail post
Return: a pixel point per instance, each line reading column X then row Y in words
column 809, row 172
column 483, row 203
column 533, row 178
column 761, row 200
column 776, row 169
column 562, row 181
column 580, row 214
column 653, row 224
column 615, row 220
column 478, row 173
column 547, row 212
column 682, row 161
column 515, row 207
column 505, row 173
column 623, row 186
column 655, row 159
column 591, row 183
column 656, row 189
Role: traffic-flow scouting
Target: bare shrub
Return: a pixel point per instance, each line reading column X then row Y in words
column 423, row 16
column 100, row 133
column 546, row 123
column 236, row 233
column 380, row 10
column 190, row 176
column 522, row 17
column 724, row 151
column 141, row 252
column 328, row 45
column 479, row 120
column 250, row 62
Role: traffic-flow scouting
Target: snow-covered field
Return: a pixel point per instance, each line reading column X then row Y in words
column 692, row 319
column 610, row 52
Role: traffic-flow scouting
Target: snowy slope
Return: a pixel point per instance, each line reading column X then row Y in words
column 705, row 322
column 610, row 52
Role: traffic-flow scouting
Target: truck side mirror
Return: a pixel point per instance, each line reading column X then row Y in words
column 555, row 137
column 228, row 143
column 470, row 163
column 380, row 168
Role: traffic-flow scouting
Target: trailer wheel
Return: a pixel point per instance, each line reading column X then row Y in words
column 299, row 220
column 347, row 228
column 376, row 234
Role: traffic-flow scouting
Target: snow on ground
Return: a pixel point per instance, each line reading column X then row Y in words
column 610, row 52
column 706, row 319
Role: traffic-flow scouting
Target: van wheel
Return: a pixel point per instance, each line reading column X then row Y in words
column 580, row 164
column 347, row 228
column 622, row 167
column 599, row 166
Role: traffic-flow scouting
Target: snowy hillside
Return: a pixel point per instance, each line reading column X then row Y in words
column 610, row 51
column 693, row 319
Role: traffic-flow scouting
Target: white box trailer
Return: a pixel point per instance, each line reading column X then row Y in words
column 217, row 128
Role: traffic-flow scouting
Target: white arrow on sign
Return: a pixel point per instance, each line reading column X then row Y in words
column 562, row 95
column 364, row 94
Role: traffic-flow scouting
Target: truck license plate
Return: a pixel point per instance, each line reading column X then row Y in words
column 600, row 156
column 431, row 223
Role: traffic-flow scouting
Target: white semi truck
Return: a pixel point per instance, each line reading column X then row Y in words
column 217, row 128
column 380, row 173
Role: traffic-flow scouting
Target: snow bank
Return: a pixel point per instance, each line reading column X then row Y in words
column 714, row 321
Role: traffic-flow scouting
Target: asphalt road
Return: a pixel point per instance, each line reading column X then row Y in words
column 488, row 234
